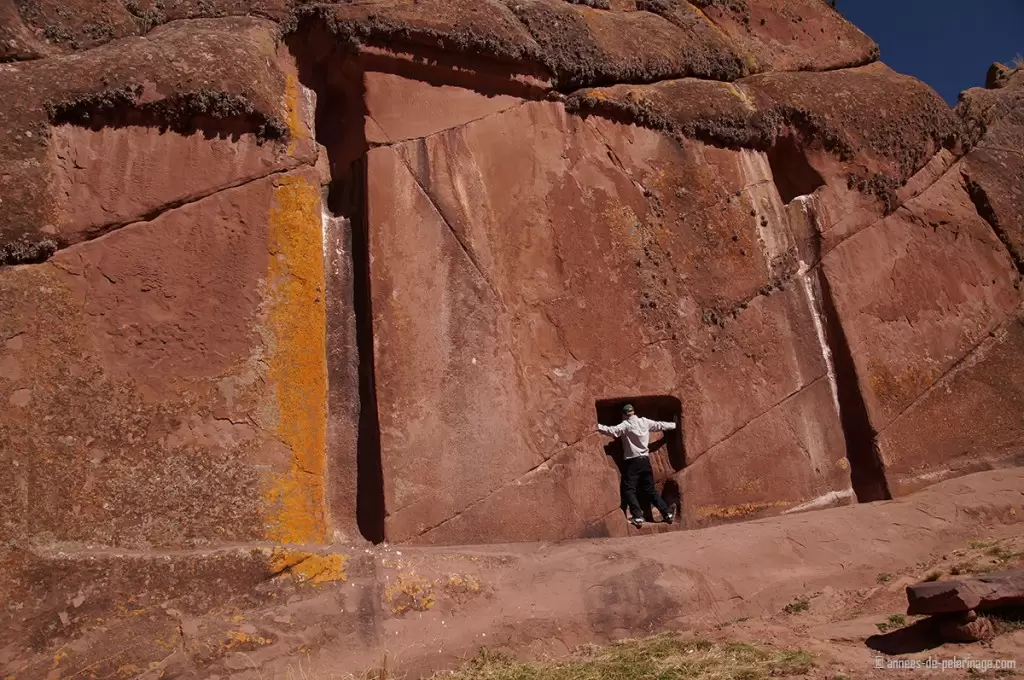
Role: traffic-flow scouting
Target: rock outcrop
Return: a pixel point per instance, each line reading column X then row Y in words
column 346, row 271
column 250, row 611
column 958, row 596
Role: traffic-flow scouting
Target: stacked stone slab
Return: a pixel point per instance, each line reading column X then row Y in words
column 953, row 605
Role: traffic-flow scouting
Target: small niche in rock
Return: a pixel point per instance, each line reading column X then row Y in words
column 668, row 454
column 792, row 172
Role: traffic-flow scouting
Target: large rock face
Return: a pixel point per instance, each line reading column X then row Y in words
column 374, row 270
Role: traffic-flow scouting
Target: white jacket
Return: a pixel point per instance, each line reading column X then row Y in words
column 636, row 434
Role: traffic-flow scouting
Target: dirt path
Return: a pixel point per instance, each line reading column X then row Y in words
column 544, row 600
column 336, row 610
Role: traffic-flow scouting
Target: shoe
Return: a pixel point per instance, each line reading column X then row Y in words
column 669, row 517
column 637, row 522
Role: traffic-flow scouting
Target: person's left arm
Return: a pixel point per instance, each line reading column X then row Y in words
column 660, row 426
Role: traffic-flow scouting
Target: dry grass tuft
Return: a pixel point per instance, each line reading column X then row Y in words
column 664, row 657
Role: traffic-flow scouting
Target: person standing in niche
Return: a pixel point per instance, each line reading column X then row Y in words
column 635, row 433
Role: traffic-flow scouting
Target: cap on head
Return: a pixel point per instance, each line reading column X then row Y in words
column 627, row 409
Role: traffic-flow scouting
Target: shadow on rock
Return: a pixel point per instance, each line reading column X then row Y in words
column 917, row 637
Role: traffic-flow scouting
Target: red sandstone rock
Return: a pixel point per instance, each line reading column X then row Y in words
column 962, row 595
column 72, row 25
column 498, row 263
column 584, row 46
column 165, row 437
column 788, row 35
column 897, row 138
column 823, row 109
column 490, row 271
column 902, row 342
column 994, row 169
column 791, row 456
column 941, row 435
column 965, row 627
column 16, row 40
column 483, row 28
column 505, row 597
column 126, row 84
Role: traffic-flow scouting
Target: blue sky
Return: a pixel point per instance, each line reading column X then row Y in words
column 948, row 44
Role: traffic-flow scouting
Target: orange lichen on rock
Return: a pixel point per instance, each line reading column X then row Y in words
column 736, row 511
column 241, row 639
column 293, row 106
column 460, row 587
column 297, row 370
column 899, row 388
column 307, row 567
column 409, row 593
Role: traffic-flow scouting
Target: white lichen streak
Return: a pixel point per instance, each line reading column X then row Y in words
column 824, row 501
column 769, row 217
column 932, row 477
column 817, row 315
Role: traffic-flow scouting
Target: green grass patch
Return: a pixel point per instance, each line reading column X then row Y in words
column 800, row 604
column 1003, row 555
column 665, row 657
column 734, row 621
column 892, row 623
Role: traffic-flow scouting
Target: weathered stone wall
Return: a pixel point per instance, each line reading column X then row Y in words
column 164, row 371
column 346, row 271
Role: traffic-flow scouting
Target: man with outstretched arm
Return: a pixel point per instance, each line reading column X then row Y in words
column 635, row 434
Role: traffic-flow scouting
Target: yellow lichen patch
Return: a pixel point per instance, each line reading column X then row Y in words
column 735, row 91
column 237, row 638
column 734, row 511
column 459, row 583
column 459, row 587
column 297, row 365
column 307, row 567
column 293, row 106
column 900, row 388
column 624, row 221
column 748, row 486
column 128, row 670
column 409, row 593
column 750, row 64
column 637, row 96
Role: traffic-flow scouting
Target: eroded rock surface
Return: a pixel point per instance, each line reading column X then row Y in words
column 342, row 271
column 201, row 613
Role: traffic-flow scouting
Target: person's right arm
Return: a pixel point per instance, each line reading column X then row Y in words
column 613, row 430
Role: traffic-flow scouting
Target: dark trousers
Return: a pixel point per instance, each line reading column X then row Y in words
column 639, row 475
